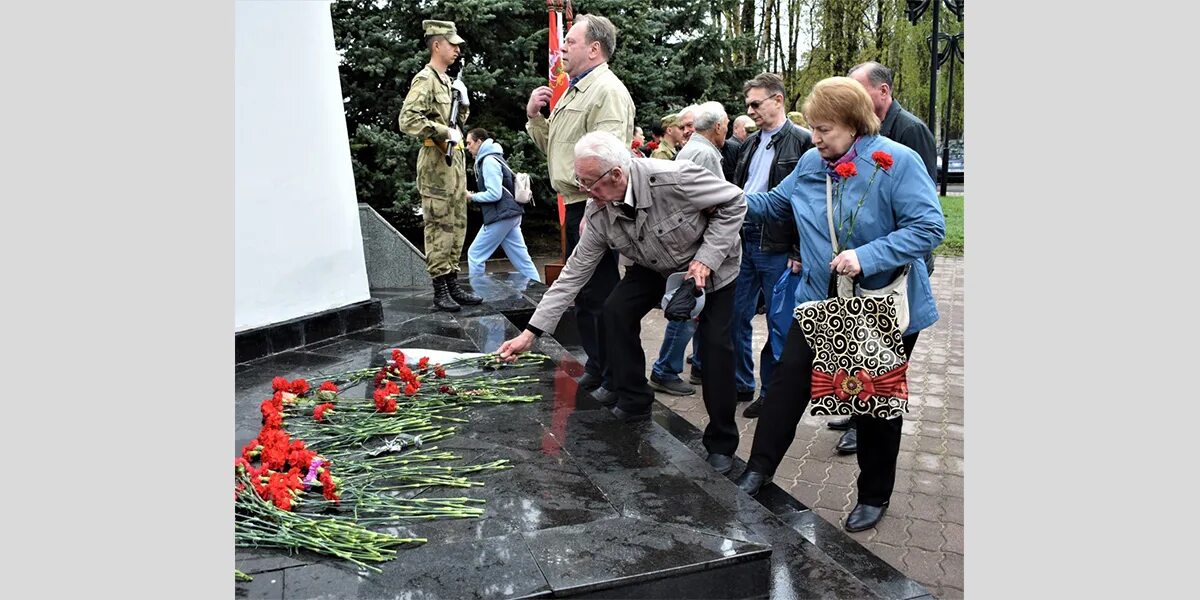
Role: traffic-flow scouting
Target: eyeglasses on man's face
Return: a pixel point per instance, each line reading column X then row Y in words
column 757, row 103
column 588, row 187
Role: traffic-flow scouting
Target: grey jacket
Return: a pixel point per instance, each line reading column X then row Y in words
column 702, row 152
column 684, row 213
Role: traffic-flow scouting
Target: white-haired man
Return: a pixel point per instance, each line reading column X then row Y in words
column 664, row 217
column 711, row 123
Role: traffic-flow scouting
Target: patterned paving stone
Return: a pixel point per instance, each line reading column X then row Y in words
column 927, row 504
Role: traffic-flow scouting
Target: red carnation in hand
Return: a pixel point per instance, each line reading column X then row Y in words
column 652, row 145
column 846, row 170
column 882, row 159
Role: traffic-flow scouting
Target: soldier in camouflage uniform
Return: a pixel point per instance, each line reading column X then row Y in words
column 443, row 188
column 666, row 149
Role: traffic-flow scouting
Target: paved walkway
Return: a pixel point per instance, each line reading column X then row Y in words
column 922, row 533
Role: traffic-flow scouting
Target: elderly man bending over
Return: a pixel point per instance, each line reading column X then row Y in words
column 665, row 217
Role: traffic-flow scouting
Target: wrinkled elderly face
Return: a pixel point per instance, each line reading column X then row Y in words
column 832, row 139
column 687, row 125
column 604, row 184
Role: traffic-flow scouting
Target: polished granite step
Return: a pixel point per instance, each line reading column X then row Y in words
column 592, row 508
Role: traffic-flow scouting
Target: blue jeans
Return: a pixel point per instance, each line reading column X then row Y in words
column 760, row 271
column 505, row 233
column 670, row 356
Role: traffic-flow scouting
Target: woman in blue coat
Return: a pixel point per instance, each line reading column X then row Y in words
column 899, row 220
column 501, row 212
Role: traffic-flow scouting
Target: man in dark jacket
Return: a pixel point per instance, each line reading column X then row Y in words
column 768, row 156
column 906, row 128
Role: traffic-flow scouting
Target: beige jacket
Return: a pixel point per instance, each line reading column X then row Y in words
column 684, row 213
column 599, row 102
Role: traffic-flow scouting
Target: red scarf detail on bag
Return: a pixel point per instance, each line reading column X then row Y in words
column 892, row 384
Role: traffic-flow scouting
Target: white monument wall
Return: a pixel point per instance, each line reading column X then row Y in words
column 298, row 244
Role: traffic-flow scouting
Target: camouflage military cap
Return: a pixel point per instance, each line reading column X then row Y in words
column 445, row 28
column 670, row 120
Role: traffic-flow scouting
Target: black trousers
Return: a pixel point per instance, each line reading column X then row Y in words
column 878, row 439
column 641, row 290
column 589, row 304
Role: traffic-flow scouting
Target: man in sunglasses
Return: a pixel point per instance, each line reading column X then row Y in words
column 664, row 217
column 767, row 156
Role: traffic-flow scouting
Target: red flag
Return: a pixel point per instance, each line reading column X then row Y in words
column 558, row 75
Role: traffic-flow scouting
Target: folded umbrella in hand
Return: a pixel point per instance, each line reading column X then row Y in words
column 683, row 299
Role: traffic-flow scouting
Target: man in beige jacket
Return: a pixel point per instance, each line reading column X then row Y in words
column 664, row 217
column 595, row 101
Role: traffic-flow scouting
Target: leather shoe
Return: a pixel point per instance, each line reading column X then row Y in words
column 629, row 417
column 606, row 397
column 745, row 396
column 753, row 409
column 849, row 442
column 751, row 481
column 589, row 382
column 720, row 463
column 864, row 516
column 695, row 378
column 840, row 424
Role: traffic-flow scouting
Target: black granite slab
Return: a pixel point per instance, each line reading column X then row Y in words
column 592, row 507
column 612, row 555
column 306, row 331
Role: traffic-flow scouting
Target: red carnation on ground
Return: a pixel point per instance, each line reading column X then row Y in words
column 299, row 387
column 398, row 357
column 423, row 363
column 319, row 411
column 411, row 389
column 328, row 386
column 846, row 170
column 440, row 372
column 882, row 159
column 280, row 384
column 328, row 487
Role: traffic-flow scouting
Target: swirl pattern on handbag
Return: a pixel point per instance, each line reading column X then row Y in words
column 859, row 364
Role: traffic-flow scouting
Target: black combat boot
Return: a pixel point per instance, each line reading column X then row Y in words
column 460, row 296
column 441, row 295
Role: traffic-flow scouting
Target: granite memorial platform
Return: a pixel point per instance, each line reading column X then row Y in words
column 592, row 508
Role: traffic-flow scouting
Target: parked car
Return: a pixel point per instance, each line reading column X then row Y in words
column 955, row 173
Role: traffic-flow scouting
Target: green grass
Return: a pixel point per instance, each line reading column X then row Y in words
column 952, row 207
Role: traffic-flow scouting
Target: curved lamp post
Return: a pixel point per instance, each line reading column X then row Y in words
column 917, row 8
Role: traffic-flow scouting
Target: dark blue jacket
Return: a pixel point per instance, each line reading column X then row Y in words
column 496, row 184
